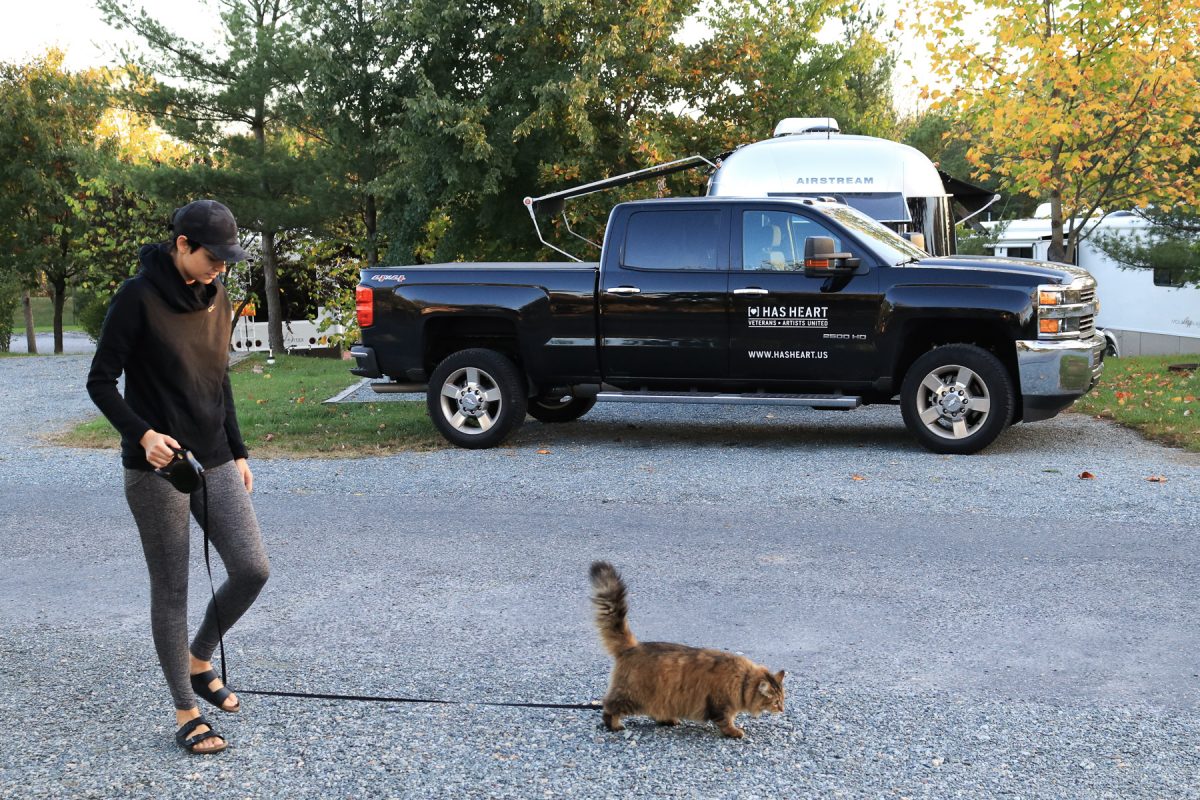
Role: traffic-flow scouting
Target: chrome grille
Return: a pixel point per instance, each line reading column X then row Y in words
column 1087, row 325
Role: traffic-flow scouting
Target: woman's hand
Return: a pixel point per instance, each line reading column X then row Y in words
column 247, row 475
column 158, row 448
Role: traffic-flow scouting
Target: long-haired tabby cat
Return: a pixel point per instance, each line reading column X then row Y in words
column 669, row 682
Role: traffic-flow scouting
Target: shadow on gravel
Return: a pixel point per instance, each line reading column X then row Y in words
column 713, row 434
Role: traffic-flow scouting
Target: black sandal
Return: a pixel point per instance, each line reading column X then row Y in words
column 189, row 744
column 200, row 682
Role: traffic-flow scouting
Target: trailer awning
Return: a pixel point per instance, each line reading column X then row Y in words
column 553, row 203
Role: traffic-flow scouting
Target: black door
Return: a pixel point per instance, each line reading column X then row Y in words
column 785, row 326
column 664, row 298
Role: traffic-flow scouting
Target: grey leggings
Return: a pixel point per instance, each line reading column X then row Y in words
column 162, row 516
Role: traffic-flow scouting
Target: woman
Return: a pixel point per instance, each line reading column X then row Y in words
column 168, row 330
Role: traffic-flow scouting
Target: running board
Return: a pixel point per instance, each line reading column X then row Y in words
column 712, row 398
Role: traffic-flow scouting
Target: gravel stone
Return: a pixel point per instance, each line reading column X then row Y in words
column 952, row 626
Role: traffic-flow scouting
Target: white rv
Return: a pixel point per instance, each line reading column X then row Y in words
column 250, row 336
column 1143, row 312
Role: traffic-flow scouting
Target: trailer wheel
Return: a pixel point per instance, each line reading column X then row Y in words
column 559, row 408
column 957, row 399
column 476, row 398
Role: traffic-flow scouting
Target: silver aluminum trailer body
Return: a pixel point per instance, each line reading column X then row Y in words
column 808, row 157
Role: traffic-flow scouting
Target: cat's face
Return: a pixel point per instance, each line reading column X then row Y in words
column 770, row 694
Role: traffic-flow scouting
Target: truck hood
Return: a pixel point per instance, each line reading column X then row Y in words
column 1044, row 271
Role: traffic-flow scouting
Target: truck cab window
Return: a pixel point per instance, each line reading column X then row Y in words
column 668, row 239
column 774, row 240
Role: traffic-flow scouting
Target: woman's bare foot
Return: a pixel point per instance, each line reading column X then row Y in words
column 232, row 702
column 209, row 745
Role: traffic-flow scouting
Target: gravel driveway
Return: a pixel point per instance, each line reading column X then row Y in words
column 952, row 626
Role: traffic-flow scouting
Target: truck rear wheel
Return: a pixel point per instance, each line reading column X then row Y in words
column 560, row 408
column 476, row 398
column 957, row 399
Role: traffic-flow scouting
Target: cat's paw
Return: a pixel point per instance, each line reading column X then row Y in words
column 613, row 723
column 733, row 732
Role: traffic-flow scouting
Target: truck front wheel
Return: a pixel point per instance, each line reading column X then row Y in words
column 957, row 399
column 476, row 398
column 560, row 408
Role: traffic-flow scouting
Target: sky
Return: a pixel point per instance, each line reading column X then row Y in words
column 77, row 28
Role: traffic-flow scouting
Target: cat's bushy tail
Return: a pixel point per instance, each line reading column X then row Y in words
column 608, row 596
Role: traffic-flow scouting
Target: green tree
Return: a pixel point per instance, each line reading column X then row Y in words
column 358, row 74
column 767, row 60
column 48, row 141
column 231, row 104
column 516, row 99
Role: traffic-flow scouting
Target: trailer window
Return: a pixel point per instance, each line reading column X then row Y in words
column 672, row 239
column 1167, row 276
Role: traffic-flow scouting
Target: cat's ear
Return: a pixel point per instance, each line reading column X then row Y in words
column 779, row 676
column 764, row 688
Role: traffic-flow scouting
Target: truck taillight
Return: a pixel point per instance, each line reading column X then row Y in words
column 364, row 304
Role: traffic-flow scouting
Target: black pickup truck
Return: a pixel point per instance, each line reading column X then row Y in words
column 751, row 301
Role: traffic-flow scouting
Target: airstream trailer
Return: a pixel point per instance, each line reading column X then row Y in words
column 893, row 183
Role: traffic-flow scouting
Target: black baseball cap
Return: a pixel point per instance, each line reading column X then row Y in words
column 209, row 224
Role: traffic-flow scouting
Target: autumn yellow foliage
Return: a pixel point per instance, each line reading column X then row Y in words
column 1089, row 105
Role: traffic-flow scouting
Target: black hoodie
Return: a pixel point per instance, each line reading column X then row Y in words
column 172, row 341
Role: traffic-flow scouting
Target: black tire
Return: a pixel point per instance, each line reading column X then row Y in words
column 560, row 408
column 476, row 398
column 952, row 411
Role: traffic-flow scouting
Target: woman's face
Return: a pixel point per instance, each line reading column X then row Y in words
column 196, row 265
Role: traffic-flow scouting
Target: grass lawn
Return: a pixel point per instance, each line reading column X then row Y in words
column 280, row 412
column 1143, row 394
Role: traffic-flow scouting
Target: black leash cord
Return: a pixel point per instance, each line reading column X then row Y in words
column 368, row 698
column 360, row 698
column 211, row 587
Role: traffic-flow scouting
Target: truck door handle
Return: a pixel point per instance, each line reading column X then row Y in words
column 751, row 290
column 624, row 290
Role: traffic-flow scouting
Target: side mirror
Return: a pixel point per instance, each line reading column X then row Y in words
column 820, row 260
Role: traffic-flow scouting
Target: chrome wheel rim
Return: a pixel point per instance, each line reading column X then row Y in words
column 953, row 402
column 471, row 401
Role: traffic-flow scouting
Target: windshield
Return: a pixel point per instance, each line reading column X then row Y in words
column 887, row 244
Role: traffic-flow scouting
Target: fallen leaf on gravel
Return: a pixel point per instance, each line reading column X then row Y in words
column 1055, row 471
column 857, row 478
column 1087, row 476
column 543, row 452
column 1157, row 479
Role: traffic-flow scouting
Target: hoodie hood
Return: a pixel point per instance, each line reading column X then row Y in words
column 165, row 278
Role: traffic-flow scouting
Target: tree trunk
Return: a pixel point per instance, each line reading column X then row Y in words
column 271, row 289
column 1057, row 251
column 59, row 286
column 30, row 336
column 370, row 219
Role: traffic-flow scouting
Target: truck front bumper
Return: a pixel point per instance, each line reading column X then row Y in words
column 1055, row 374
